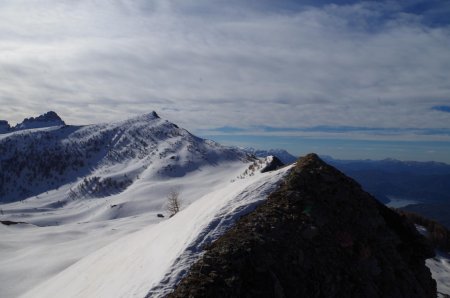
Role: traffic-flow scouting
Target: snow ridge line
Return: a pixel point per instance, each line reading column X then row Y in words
column 242, row 204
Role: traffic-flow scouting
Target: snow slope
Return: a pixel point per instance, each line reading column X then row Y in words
column 87, row 186
column 440, row 270
column 439, row 267
column 155, row 257
column 61, row 234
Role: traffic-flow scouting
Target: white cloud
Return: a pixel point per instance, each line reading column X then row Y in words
column 208, row 64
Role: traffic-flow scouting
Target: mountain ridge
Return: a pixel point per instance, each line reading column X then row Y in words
column 34, row 161
column 319, row 235
column 48, row 119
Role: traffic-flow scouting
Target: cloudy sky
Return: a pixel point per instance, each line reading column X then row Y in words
column 352, row 79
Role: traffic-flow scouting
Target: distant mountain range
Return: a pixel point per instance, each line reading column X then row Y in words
column 421, row 181
column 420, row 187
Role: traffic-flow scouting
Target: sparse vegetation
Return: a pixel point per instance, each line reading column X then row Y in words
column 95, row 186
column 173, row 202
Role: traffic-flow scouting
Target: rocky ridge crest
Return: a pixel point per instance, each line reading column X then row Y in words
column 319, row 235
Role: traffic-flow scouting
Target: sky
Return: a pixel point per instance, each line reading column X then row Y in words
column 350, row 79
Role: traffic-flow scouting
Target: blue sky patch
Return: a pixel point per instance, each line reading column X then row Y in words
column 445, row 109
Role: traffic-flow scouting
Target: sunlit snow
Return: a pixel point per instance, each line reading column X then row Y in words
column 117, row 245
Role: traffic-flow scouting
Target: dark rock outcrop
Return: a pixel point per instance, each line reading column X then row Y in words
column 274, row 164
column 319, row 235
column 46, row 120
column 10, row 222
column 4, row 126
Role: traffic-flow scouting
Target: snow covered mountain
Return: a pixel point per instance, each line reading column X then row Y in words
column 99, row 160
column 75, row 189
column 83, row 209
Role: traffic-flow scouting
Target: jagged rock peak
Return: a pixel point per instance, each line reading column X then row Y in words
column 274, row 163
column 151, row 115
column 4, row 126
column 49, row 116
column 45, row 120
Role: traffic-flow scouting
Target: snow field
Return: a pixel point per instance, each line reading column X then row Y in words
column 155, row 257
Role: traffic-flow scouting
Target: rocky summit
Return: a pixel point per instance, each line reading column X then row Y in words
column 46, row 120
column 4, row 126
column 318, row 235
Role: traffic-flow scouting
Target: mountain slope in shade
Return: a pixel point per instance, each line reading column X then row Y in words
column 320, row 235
column 437, row 212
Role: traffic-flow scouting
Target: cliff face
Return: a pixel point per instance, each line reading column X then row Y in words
column 319, row 235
